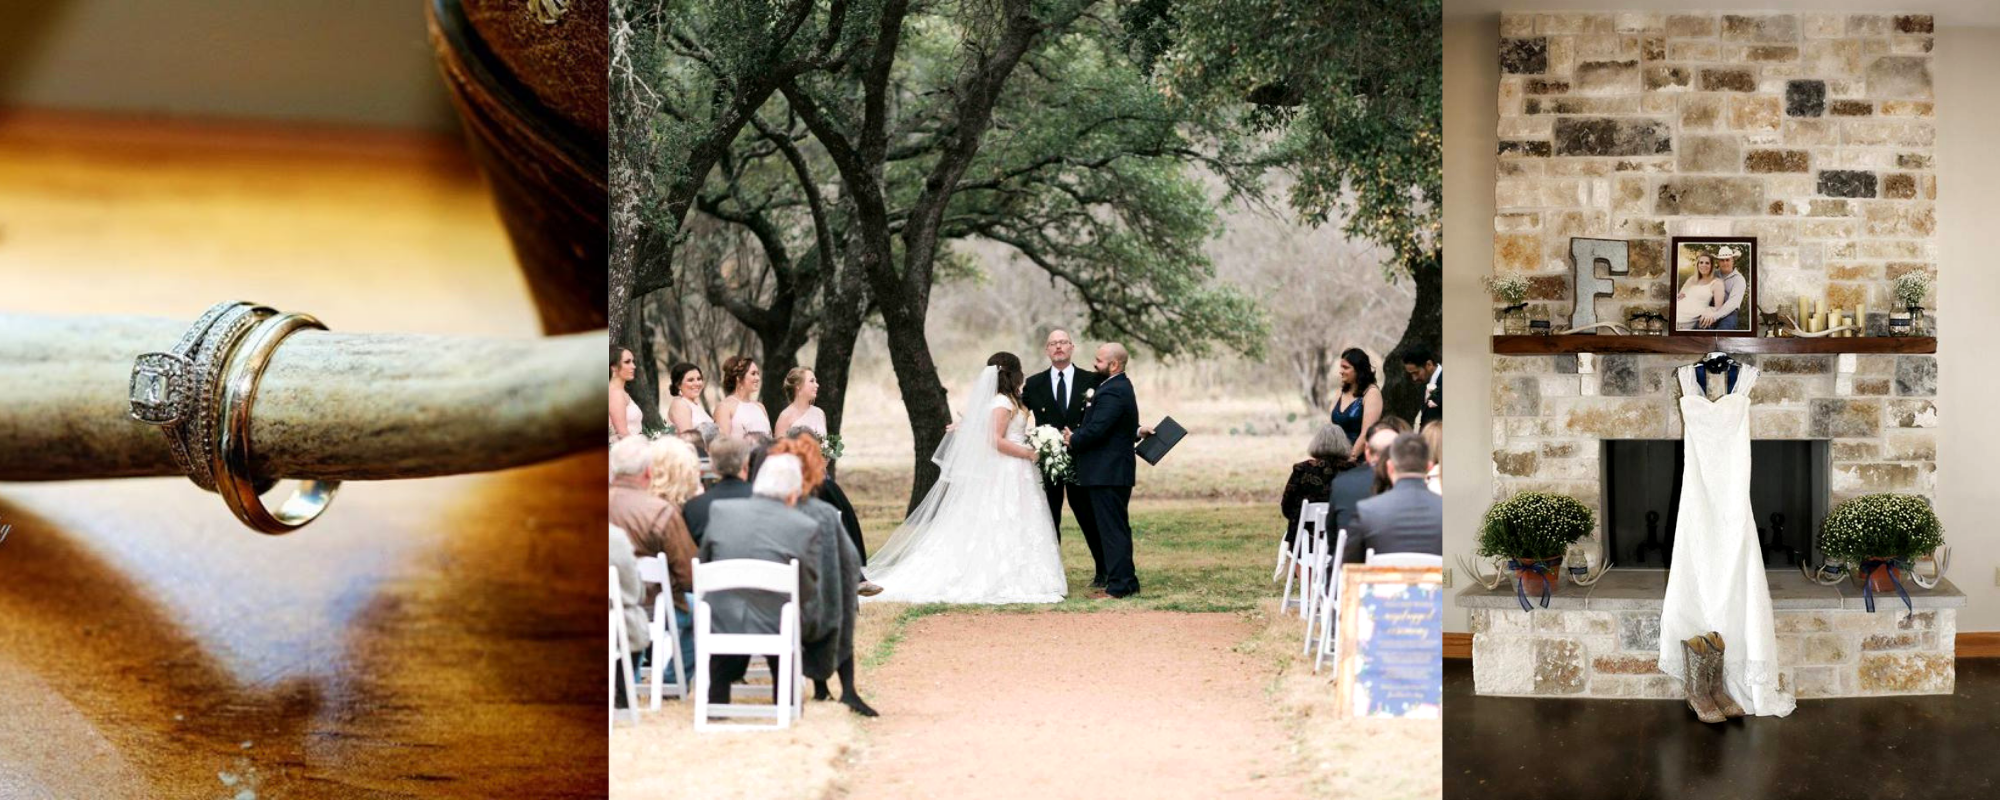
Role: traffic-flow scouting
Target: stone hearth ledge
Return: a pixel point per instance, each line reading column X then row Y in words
column 1637, row 589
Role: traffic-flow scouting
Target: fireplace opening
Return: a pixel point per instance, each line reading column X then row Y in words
column 1642, row 493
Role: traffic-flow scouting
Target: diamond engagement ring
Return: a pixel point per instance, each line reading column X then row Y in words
column 162, row 382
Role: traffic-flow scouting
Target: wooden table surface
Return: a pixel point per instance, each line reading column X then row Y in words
column 425, row 638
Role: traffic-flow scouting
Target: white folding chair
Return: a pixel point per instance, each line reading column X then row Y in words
column 741, row 575
column 1405, row 559
column 620, row 657
column 666, row 631
column 1312, row 520
column 1329, row 607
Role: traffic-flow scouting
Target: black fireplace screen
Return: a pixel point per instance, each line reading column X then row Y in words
column 1642, row 493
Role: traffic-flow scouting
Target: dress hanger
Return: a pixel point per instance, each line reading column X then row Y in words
column 1717, row 360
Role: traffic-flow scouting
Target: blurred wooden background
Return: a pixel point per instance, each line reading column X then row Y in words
column 425, row 638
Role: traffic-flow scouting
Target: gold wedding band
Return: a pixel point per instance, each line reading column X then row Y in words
column 230, row 459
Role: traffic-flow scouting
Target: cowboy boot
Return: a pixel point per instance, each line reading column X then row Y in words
column 1695, row 679
column 1719, row 689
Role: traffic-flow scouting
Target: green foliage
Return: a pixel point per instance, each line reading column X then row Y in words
column 1535, row 525
column 1898, row 526
column 1350, row 90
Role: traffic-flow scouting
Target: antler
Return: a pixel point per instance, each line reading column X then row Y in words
column 1940, row 559
column 1472, row 568
column 1590, row 574
column 1837, row 569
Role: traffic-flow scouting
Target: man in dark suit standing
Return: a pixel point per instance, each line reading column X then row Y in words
column 1102, row 451
column 1409, row 518
column 1057, row 397
column 1421, row 364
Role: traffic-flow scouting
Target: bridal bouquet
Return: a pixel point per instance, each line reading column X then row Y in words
column 1051, row 455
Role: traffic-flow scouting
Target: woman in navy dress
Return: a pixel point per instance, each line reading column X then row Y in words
column 1360, row 403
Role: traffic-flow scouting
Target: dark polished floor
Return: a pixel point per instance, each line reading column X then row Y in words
column 1921, row 748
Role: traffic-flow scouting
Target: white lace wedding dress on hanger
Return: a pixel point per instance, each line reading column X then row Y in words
column 983, row 533
column 1717, row 581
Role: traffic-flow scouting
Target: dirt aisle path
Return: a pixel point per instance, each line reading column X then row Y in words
column 1105, row 705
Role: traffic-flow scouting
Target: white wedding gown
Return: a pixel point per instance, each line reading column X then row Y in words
column 983, row 534
column 1717, row 581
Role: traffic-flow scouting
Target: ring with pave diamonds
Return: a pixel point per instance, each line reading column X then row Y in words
column 230, row 458
column 162, row 383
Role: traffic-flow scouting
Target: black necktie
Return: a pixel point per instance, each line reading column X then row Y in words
column 1062, row 392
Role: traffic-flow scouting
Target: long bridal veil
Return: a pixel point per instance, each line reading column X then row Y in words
column 967, row 461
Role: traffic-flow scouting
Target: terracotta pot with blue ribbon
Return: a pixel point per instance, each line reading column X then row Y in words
column 1535, row 577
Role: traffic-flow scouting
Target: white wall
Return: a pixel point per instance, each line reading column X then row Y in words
column 1471, row 117
column 1968, row 116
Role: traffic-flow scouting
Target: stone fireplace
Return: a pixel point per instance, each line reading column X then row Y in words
column 1812, row 133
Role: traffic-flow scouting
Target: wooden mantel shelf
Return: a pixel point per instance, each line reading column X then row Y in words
column 1585, row 343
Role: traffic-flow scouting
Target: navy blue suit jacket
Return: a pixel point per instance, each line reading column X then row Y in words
column 1101, row 447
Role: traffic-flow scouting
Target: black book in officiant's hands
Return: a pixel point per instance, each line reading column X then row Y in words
column 1165, row 435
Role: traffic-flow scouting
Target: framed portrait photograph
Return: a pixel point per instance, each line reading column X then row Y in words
column 1715, row 286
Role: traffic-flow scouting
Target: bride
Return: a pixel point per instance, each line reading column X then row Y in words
column 983, row 534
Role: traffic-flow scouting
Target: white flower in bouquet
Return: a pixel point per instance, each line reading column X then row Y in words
column 1051, row 455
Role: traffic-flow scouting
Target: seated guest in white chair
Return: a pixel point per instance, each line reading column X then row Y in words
column 1409, row 518
column 765, row 527
column 653, row 527
column 631, row 591
column 1357, row 483
column 828, row 628
column 730, row 458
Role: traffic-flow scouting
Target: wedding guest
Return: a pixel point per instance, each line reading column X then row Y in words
column 801, row 391
column 1312, row 479
column 766, row 527
column 683, row 410
column 739, row 414
column 654, row 527
column 1357, row 483
column 1434, row 438
column 1382, row 479
column 1421, row 364
column 1360, row 402
column 632, row 595
column 730, row 458
column 1406, row 519
column 827, row 626
column 676, row 473
column 626, row 418
column 831, row 492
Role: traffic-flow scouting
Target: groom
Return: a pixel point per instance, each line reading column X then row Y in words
column 1056, row 396
column 1101, row 449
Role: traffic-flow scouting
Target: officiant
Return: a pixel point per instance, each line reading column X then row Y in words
column 1057, row 397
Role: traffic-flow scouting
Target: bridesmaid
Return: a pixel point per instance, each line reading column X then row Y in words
column 1359, row 406
column 626, row 418
column 802, row 389
column 684, row 387
column 739, row 413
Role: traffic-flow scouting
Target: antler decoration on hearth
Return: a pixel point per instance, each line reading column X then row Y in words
column 1583, row 570
column 1940, row 560
column 1489, row 581
column 1827, row 574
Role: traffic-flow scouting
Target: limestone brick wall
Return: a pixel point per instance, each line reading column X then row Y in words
column 1812, row 132
column 1601, row 654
